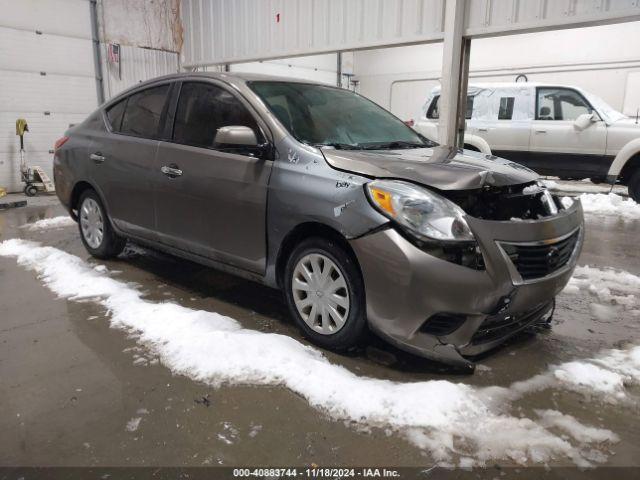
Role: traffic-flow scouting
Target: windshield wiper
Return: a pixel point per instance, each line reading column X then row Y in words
column 340, row 146
column 397, row 144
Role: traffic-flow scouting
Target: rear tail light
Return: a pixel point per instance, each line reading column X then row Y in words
column 61, row 141
column 410, row 122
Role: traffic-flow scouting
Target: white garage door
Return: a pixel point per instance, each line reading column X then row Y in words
column 46, row 77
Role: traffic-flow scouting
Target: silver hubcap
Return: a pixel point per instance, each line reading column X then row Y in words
column 320, row 293
column 91, row 223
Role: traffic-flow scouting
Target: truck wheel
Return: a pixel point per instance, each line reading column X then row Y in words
column 30, row 191
column 325, row 293
column 96, row 232
column 634, row 186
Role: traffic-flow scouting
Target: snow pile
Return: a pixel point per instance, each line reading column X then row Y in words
column 55, row 222
column 616, row 289
column 608, row 204
column 448, row 419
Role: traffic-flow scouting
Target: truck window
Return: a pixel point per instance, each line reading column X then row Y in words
column 506, row 108
column 434, row 113
column 560, row 104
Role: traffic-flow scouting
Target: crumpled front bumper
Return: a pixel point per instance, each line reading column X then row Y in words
column 405, row 286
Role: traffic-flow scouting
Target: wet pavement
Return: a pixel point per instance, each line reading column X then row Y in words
column 75, row 392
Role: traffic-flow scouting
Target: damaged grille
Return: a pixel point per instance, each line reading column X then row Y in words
column 498, row 326
column 537, row 261
column 513, row 202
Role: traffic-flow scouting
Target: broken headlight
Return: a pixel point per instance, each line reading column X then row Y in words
column 423, row 213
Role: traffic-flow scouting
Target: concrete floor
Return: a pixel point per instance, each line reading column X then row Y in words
column 69, row 385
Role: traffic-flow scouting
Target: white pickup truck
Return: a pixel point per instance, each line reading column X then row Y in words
column 553, row 129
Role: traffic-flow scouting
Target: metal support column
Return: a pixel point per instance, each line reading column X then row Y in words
column 97, row 63
column 339, row 69
column 455, row 71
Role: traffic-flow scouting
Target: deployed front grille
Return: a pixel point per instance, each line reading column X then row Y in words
column 536, row 261
column 502, row 325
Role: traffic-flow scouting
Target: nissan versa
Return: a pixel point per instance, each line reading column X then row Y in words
column 362, row 222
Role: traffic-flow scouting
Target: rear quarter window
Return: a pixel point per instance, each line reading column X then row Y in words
column 115, row 114
column 433, row 112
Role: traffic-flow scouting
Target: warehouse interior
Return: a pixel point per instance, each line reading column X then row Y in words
column 49, row 70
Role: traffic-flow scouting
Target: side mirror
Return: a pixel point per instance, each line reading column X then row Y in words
column 236, row 136
column 584, row 120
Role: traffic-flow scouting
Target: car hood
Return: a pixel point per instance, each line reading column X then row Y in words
column 444, row 168
column 627, row 122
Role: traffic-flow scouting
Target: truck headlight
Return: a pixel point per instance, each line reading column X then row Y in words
column 425, row 214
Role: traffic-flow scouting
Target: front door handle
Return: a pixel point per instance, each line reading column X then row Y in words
column 97, row 157
column 483, row 129
column 541, row 131
column 171, row 171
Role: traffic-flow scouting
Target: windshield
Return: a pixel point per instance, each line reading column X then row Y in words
column 323, row 115
column 604, row 109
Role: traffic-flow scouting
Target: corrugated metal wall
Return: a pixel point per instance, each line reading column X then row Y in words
column 137, row 64
column 231, row 31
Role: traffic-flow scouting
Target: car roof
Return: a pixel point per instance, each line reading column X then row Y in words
column 228, row 77
column 232, row 78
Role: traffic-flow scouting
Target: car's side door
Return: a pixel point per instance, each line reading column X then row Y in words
column 124, row 158
column 210, row 199
column 558, row 145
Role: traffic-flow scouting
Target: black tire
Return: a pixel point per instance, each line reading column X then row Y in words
column 355, row 326
column 634, row 186
column 30, row 191
column 112, row 244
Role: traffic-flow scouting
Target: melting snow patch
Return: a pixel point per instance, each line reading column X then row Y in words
column 448, row 419
column 46, row 223
column 582, row 433
column 608, row 204
column 615, row 290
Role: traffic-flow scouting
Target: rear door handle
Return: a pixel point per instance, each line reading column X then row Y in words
column 541, row 131
column 171, row 171
column 97, row 157
column 483, row 129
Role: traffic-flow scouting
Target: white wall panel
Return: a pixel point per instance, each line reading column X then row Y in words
column 24, row 51
column 46, row 76
column 232, row 31
column 58, row 17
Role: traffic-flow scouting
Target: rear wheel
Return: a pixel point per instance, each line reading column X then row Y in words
column 96, row 232
column 325, row 293
column 634, row 186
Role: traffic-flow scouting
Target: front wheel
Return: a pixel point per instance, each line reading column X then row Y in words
column 634, row 186
column 325, row 293
column 96, row 232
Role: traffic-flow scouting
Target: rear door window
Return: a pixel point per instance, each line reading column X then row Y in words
column 204, row 108
column 144, row 111
column 434, row 112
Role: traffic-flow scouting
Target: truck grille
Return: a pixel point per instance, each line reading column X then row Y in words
column 537, row 261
